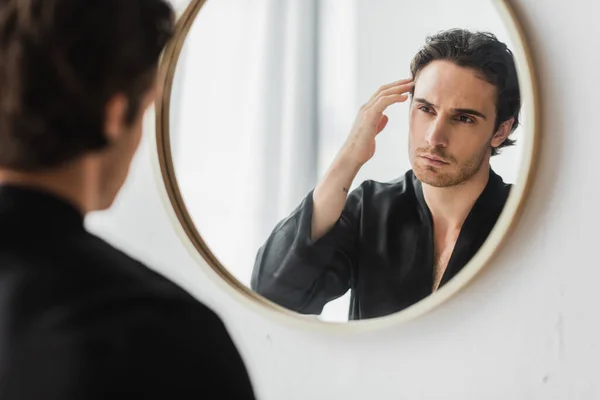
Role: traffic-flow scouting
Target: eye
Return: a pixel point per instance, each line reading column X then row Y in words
column 465, row 119
column 425, row 109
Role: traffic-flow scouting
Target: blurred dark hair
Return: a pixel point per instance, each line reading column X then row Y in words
column 483, row 52
column 60, row 63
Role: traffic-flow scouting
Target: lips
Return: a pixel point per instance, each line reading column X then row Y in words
column 433, row 158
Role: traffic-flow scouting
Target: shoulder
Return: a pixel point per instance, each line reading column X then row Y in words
column 134, row 295
column 498, row 190
column 113, row 266
column 373, row 192
column 85, row 276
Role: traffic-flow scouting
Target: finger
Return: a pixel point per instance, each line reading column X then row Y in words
column 388, row 86
column 386, row 101
column 382, row 124
column 400, row 89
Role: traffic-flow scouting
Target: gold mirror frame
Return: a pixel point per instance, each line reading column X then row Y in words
column 175, row 206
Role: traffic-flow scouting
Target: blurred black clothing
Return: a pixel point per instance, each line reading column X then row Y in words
column 80, row 319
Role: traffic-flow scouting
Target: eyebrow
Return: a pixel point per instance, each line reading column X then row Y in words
column 457, row 110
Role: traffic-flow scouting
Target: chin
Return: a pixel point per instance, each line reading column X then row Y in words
column 109, row 192
column 106, row 202
column 106, row 205
column 437, row 177
column 109, row 202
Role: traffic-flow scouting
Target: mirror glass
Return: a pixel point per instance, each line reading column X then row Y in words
column 346, row 159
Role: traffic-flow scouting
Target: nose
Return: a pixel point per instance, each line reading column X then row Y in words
column 436, row 134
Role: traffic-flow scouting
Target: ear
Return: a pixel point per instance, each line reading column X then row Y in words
column 114, row 118
column 502, row 133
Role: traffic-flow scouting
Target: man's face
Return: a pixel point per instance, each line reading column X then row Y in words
column 451, row 124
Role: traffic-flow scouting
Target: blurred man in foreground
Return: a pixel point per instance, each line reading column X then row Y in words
column 80, row 319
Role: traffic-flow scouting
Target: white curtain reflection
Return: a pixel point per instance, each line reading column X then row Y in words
column 248, row 99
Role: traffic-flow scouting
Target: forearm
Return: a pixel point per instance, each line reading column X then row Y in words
column 329, row 197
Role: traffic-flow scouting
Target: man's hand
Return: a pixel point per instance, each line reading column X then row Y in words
column 360, row 145
column 330, row 194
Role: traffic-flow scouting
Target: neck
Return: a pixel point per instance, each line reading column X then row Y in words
column 450, row 206
column 76, row 182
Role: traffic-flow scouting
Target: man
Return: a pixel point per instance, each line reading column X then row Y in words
column 80, row 319
column 392, row 244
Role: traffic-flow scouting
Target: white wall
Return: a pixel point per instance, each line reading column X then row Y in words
column 527, row 328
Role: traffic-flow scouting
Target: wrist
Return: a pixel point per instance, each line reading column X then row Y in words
column 348, row 160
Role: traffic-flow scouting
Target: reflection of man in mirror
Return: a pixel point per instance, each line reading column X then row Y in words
column 81, row 319
column 392, row 244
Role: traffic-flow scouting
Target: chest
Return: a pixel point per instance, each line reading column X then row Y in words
column 444, row 243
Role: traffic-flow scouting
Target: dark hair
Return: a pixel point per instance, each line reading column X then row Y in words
column 61, row 62
column 483, row 52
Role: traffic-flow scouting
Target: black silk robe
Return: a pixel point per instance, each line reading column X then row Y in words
column 81, row 319
column 381, row 249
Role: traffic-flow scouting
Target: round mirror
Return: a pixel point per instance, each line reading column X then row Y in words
column 347, row 160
